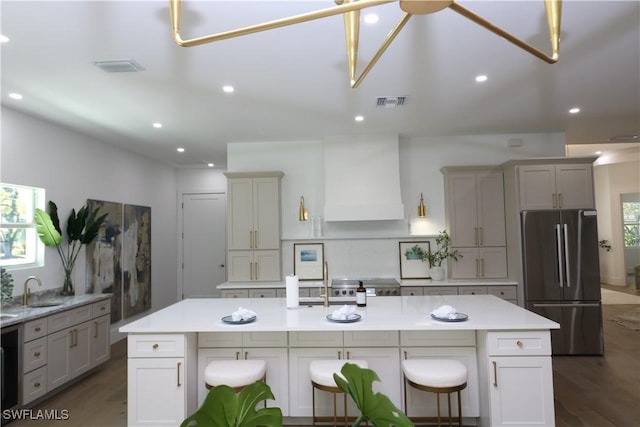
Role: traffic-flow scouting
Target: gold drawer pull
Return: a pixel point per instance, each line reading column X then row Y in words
column 495, row 374
column 36, row 354
column 103, row 308
column 36, row 385
column 178, row 374
column 37, row 328
column 155, row 346
column 519, row 344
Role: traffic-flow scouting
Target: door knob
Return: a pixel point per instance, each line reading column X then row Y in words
column 221, row 266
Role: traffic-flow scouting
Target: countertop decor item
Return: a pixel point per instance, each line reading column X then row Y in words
column 412, row 257
column 82, row 229
column 308, row 261
column 443, row 250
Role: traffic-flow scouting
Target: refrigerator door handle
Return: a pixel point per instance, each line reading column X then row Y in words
column 559, row 254
column 566, row 254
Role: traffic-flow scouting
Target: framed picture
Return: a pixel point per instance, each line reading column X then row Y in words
column 308, row 261
column 411, row 264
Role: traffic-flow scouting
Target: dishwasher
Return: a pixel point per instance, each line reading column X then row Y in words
column 11, row 367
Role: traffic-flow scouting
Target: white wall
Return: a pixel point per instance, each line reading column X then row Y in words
column 73, row 168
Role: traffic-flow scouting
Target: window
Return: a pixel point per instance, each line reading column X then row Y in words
column 631, row 223
column 19, row 242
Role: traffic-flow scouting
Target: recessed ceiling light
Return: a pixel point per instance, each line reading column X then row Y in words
column 180, row 150
column 481, row 78
column 15, row 96
column 574, row 110
column 210, row 165
column 3, row 38
column 598, row 152
column 157, row 125
column 371, row 18
column 359, row 118
column 228, row 88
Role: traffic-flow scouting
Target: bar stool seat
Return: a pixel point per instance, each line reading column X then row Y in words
column 234, row 373
column 321, row 373
column 439, row 376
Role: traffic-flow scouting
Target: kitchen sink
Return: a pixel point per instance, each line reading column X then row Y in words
column 44, row 304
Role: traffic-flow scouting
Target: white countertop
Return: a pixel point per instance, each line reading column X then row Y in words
column 486, row 312
column 409, row 282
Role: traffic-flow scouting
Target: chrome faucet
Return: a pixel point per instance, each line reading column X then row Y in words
column 325, row 273
column 27, row 292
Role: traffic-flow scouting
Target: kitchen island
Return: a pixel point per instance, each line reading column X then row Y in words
column 506, row 350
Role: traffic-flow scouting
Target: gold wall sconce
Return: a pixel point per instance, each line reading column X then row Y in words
column 421, row 208
column 303, row 215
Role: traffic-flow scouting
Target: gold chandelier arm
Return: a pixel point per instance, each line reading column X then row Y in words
column 176, row 5
column 502, row 33
column 352, row 35
column 554, row 12
column 387, row 41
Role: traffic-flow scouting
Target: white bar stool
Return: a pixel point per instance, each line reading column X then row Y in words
column 437, row 376
column 321, row 372
column 237, row 374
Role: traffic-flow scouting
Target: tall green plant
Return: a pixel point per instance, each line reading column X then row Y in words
column 82, row 228
column 442, row 252
column 376, row 408
column 224, row 408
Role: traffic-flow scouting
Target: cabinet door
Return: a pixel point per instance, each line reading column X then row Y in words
column 462, row 208
column 266, row 265
column 515, row 405
column 277, row 374
column 100, row 343
column 493, row 262
column 386, row 363
column 491, row 223
column 240, row 266
column 266, row 213
column 467, row 266
column 574, row 186
column 537, row 186
column 80, row 360
column 34, row 385
column 59, row 355
column 156, row 392
column 240, row 213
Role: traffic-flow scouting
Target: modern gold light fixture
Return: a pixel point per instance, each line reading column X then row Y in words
column 421, row 208
column 351, row 10
column 303, row 215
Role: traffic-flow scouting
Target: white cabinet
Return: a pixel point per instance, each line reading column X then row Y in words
column 161, row 378
column 253, row 226
column 268, row 346
column 378, row 348
column 556, row 186
column 506, row 292
column 480, row 263
column 476, row 221
column 34, row 360
column 69, row 354
column 516, row 358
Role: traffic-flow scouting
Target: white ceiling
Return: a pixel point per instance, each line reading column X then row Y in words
column 292, row 83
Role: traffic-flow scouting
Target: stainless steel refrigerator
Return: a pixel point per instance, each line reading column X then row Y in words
column 562, row 277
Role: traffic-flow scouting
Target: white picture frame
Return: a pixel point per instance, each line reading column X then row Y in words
column 308, row 261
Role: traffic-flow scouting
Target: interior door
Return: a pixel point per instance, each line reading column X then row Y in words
column 203, row 244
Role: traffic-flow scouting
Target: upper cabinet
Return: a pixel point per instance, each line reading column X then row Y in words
column 475, row 207
column 556, row 186
column 476, row 222
column 253, row 225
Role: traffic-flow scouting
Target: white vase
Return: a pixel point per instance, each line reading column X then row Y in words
column 436, row 273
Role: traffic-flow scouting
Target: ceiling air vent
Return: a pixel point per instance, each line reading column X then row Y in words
column 391, row 101
column 119, row 66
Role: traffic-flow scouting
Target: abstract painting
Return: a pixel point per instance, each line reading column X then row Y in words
column 136, row 259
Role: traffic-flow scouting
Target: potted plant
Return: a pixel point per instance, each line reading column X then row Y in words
column 225, row 408
column 376, row 408
column 82, row 229
column 442, row 252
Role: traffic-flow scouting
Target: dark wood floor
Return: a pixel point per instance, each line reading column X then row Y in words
column 589, row 391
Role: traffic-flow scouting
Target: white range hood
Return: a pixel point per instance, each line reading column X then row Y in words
column 362, row 179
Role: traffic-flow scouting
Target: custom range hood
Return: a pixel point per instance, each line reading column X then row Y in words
column 362, row 178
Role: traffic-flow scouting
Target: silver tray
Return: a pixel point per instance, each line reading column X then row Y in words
column 355, row 318
column 459, row 317
column 229, row 320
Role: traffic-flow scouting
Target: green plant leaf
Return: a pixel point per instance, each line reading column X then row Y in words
column 375, row 407
column 53, row 213
column 46, row 229
column 224, row 408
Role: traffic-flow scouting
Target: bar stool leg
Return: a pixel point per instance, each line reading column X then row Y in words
column 449, row 407
column 313, row 404
column 459, row 410
column 438, row 404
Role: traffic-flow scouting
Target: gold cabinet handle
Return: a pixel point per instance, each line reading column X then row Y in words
column 519, row 344
column 555, row 200
column 495, row 374
column 178, row 373
column 348, row 355
column 36, row 354
column 475, row 236
column 71, row 338
column 481, row 234
column 37, row 328
column 339, row 355
column 237, row 355
column 482, row 267
column 405, row 355
column 155, row 346
column 36, row 385
column 255, row 239
column 95, row 335
column 246, row 355
column 477, row 267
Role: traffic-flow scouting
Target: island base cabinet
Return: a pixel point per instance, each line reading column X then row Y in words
column 515, row 405
column 163, row 379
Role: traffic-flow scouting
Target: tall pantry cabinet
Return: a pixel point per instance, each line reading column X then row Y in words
column 475, row 220
column 253, row 226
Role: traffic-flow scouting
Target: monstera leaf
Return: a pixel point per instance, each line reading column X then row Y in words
column 224, row 408
column 374, row 407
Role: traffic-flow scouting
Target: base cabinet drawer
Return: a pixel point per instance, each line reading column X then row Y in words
column 34, row 354
column 34, row 385
column 519, row 343
column 157, row 345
